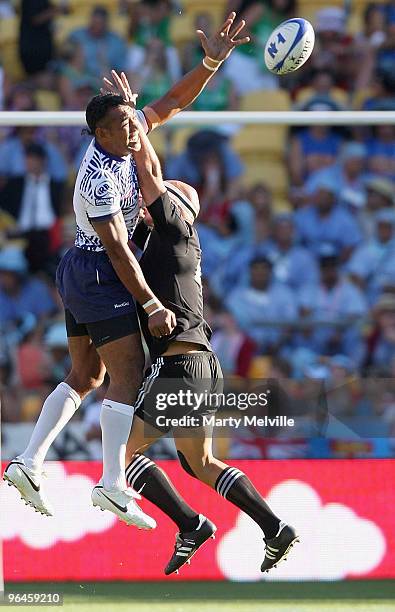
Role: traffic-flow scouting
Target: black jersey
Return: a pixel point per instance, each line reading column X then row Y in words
column 171, row 266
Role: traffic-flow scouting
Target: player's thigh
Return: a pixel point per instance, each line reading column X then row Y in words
column 124, row 360
column 195, row 445
column 141, row 436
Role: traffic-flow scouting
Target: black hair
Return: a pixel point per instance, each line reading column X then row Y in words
column 98, row 108
column 261, row 259
column 36, row 149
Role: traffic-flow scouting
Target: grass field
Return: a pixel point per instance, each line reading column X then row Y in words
column 355, row 596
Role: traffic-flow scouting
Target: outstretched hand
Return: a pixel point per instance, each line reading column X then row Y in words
column 120, row 86
column 221, row 44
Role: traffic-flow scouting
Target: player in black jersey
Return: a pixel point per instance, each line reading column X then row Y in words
column 184, row 361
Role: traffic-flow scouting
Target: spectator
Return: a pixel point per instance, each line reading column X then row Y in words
column 383, row 92
column 348, row 175
column 380, row 344
column 380, row 195
column 55, row 341
column 333, row 48
column 13, row 154
column 234, row 348
column 152, row 78
column 325, row 221
column 381, row 151
column 34, row 201
column 373, row 33
column 312, row 149
column 259, row 306
column 321, row 94
column 287, row 257
column 372, row 265
column 150, row 19
column 103, row 50
column 20, row 294
column 73, row 75
column 337, row 304
column 21, row 98
column 210, row 165
column 35, row 35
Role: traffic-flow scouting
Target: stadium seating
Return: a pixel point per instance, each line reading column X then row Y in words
column 270, row 100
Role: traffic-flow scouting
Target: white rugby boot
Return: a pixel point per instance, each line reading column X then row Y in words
column 27, row 482
column 122, row 503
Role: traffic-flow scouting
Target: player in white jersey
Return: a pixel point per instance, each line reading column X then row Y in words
column 99, row 278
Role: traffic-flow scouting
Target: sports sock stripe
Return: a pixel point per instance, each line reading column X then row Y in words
column 137, row 468
column 131, row 467
column 223, row 477
column 232, row 482
column 227, row 477
column 142, row 469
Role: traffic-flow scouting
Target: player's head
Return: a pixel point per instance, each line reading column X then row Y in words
column 186, row 198
column 113, row 123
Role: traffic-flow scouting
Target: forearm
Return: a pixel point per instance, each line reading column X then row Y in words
column 181, row 95
column 148, row 169
column 130, row 274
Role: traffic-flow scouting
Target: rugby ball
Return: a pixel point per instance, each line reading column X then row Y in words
column 289, row 46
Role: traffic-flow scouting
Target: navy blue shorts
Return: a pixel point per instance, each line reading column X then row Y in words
column 90, row 288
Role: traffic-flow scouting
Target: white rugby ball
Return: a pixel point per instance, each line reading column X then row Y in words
column 289, row 46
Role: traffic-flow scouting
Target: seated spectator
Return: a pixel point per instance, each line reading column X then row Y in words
column 380, row 344
column 325, row 221
column 349, row 175
column 333, row 48
column 337, row 305
column 103, row 50
column 210, row 165
column 381, row 151
column 380, row 195
column 246, row 66
column 373, row 33
column 21, row 98
column 372, row 265
column 312, row 149
column 150, row 19
column 34, row 200
column 383, row 93
column 13, row 154
column 55, row 341
column 257, row 307
column 20, row 294
column 151, row 79
column 73, row 75
column 234, row 348
column 321, row 93
column 293, row 265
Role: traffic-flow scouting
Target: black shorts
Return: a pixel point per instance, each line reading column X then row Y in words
column 182, row 389
column 102, row 332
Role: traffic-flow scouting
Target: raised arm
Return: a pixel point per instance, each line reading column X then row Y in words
column 148, row 169
column 217, row 49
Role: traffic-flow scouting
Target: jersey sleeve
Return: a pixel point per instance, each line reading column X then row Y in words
column 101, row 197
column 166, row 218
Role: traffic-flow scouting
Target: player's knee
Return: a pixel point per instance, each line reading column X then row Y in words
column 85, row 381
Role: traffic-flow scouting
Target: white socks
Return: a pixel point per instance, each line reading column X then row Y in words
column 116, row 421
column 56, row 412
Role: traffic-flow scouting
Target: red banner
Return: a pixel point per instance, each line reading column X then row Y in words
column 343, row 510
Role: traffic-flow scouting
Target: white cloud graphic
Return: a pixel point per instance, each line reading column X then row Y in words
column 74, row 516
column 335, row 541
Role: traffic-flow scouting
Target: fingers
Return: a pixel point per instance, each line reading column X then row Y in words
column 241, row 41
column 237, row 29
column 227, row 24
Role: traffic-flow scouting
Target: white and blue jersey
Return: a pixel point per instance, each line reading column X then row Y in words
column 86, row 280
column 105, row 185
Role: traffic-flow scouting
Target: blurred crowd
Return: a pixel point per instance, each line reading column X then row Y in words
column 297, row 226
